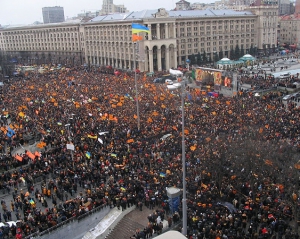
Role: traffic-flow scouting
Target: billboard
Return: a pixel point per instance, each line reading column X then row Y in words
column 218, row 78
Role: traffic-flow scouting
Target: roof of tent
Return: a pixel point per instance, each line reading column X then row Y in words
column 247, row 57
column 171, row 234
column 225, row 61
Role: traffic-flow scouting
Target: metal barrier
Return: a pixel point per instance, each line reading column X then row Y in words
column 60, row 225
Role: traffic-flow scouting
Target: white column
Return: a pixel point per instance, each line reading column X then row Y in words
column 146, row 61
column 151, row 60
column 175, row 57
column 167, row 59
column 159, row 59
column 158, row 31
column 149, row 34
column 174, row 30
column 167, row 30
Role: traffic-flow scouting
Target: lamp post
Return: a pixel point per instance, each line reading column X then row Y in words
column 188, row 61
column 136, row 88
column 184, row 206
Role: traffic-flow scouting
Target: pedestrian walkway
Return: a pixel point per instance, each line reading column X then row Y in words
column 135, row 220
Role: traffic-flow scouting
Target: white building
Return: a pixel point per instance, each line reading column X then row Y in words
column 174, row 37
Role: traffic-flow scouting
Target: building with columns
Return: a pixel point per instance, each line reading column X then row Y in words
column 106, row 40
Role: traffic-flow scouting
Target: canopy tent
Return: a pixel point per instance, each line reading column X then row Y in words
column 247, row 57
column 224, row 63
column 238, row 62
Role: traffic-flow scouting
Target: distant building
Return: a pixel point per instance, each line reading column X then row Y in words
column 285, row 7
column 183, row 5
column 53, row 14
column 297, row 6
column 108, row 7
column 290, row 30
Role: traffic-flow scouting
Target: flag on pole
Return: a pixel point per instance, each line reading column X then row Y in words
column 136, row 28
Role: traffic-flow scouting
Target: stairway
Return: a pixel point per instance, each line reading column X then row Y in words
column 125, row 229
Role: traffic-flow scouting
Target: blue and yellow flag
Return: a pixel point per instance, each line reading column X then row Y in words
column 136, row 28
column 88, row 155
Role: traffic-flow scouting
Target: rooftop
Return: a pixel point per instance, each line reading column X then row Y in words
column 148, row 14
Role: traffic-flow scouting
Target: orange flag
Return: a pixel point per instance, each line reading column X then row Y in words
column 130, row 141
column 227, row 102
column 19, row 158
column 30, row 155
column 135, row 116
column 37, row 154
column 136, row 38
column 155, row 113
column 149, row 120
column 268, row 162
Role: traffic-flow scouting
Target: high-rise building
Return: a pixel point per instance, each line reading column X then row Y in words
column 108, row 7
column 183, row 5
column 53, row 14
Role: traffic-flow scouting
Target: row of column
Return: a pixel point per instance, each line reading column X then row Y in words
column 148, row 64
column 158, row 32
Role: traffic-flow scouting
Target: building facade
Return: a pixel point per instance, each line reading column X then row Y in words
column 290, row 30
column 53, row 14
column 183, row 5
column 106, row 40
column 267, row 27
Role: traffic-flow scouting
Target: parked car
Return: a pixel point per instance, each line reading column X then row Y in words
column 157, row 80
column 286, row 97
column 169, row 82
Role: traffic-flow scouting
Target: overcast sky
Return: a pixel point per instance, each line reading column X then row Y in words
column 13, row 12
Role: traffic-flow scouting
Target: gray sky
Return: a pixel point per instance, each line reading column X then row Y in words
column 13, row 12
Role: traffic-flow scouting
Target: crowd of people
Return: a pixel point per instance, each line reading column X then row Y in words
column 118, row 164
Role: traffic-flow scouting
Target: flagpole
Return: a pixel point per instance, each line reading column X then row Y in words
column 136, row 89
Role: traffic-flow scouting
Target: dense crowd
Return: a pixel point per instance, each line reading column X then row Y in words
column 118, row 164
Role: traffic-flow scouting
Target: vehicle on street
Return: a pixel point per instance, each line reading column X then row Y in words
column 157, row 80
column 169, row 82
column 286, row 98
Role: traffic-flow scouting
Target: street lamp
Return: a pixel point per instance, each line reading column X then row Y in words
column 188, row 61
column 184, row 206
